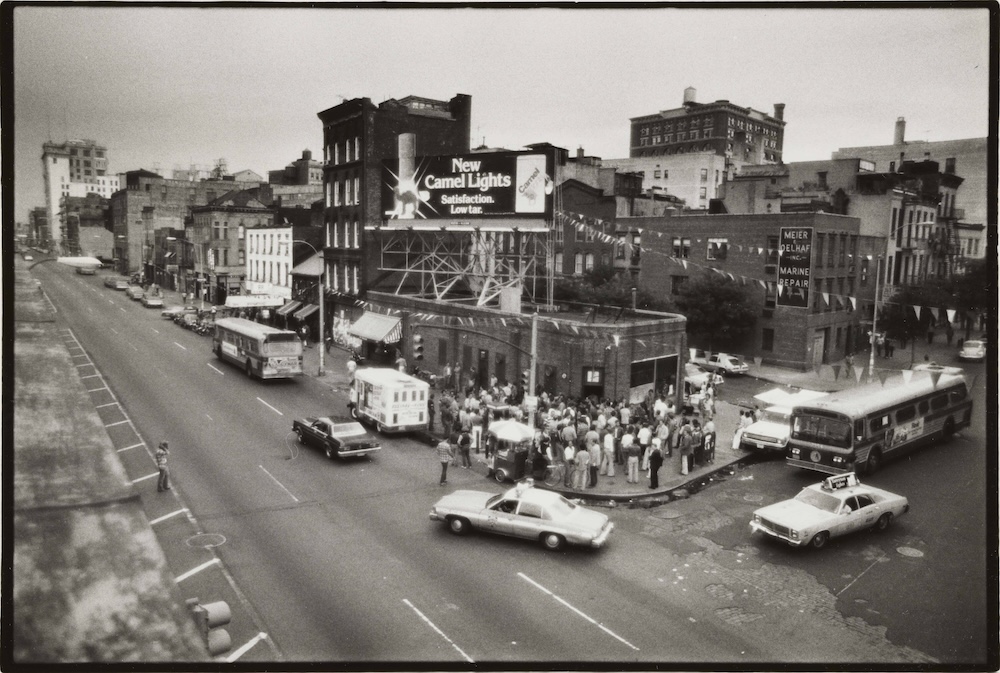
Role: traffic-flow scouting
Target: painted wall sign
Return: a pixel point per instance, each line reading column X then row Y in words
column 795, row 266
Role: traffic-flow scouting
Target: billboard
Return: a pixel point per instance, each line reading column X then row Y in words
column 468, row 186
column 794, row 266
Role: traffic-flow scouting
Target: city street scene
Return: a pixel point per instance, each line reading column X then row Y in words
column 538, row 338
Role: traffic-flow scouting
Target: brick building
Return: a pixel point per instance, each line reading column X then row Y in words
column 796, row 329
column 357, row 137
column 614, row 354
column 73, row 168
column 85, row 223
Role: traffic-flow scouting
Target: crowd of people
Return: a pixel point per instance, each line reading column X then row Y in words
column 591, row 439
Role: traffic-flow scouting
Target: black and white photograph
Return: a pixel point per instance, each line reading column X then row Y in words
column 481, row 336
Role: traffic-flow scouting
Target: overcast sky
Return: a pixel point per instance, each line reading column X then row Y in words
column 166, row 87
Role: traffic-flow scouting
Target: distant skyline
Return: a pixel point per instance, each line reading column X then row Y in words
column 169, row 86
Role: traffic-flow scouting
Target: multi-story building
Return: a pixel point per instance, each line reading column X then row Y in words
column 39, row 232
column 968, row 157
column 302, row 171
column 147, row 202
column 357, row 137
column 688, row 151
column 811, row 275
column 913, row 207
column 86, row 223
column 73, row 168
column 272, row 253
column 219, row 229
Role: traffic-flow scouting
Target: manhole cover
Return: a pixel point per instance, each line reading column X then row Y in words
column 206, row 540
column 909, row 551
column 750, row 497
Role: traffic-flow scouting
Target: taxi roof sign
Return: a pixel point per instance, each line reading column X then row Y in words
column 840, row 481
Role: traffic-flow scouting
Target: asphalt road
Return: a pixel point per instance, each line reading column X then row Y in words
column 342, row 564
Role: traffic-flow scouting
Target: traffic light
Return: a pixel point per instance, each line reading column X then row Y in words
column 209, row 618
column 418, row 347
column 526, row 381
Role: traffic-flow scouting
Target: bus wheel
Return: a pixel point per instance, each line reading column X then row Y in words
column 819, row 540
column 249, row 369
column 354, row 414
column 883, row 522
column 949, row 429
column 380, row 428
column 874, row 461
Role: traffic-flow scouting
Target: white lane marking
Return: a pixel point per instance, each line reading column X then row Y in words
column 113, row 330
column 880, row 558
column 134, row 348
column 155, row 330
column 179, row 346
column 148, row 476
column 168, row 516
column 439, row 631
column 134, row 446
column 209, row 417
column 121, row 309
column 269, row 407
column 91, row 376
column 243, row 650
column 111, row 425
column 193, row 571
column 589, row 619
column 278, row 483
column 109, row 404
column 217, row 371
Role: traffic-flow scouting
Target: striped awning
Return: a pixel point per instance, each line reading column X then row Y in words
column 306, row 311
column 377, row 327
column 289, row 307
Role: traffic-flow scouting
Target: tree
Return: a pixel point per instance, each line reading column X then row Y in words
column 898, row 317
column 719, row 310
column 975, row 290
column 606, row 286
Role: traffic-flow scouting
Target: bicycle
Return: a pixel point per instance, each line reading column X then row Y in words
column 555, row 474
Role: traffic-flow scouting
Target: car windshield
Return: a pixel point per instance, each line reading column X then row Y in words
column 780, row 417
column 973, row 344
column 819, row 500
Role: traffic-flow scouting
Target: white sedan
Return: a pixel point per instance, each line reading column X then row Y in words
column 973, row 350
column 525, row 512
column 836, row 506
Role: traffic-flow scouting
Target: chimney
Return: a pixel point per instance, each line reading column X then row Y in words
column 579, row 152
column 900, row 131
column 779, row 111
column 307, row 154
column 689, row 95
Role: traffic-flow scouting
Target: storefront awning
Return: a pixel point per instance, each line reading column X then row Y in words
column 306, row 311
column 377, row 327
column 288, row 308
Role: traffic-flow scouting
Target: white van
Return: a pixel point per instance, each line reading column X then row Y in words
column 771, row 432
column 392, row 400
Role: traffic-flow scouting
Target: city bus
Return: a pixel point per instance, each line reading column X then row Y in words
column 262, row 351
column 857, row 429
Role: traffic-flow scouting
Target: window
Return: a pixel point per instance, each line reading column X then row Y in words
column 939, row 402
column 682, row 248
column 949, row 165
column 820, row 241
column 717, row 248
column 558, row 262
column 675, row 284
column 620, row 247
column 357, row 234
column 704, row 175
column 656, row 174
column 878, row 423
column 357, row 191
column 589, row 261
column 905, row 415
column 770, row 295
column 336, row 192
column 767, row 340
column 578, row 263
column 580, row 235
column 703, row 193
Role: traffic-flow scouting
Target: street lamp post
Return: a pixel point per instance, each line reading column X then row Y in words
column 201, row 294
column 322, row 311
column 871, row 350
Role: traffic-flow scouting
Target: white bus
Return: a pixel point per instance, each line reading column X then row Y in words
column 262, row 351
column 858, row 428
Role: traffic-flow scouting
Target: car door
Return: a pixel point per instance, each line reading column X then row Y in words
column 528, row 522
column 868, row 511
column 320, row 432
column 500, row 517
column 848, row 518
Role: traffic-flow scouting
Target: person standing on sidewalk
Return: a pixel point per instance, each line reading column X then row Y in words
column 608, row 464
column 685, row 447
column 655, row 462
column 430, row 413
column 582, row 471
column 708, row 440
column 464, row 444
column 163, row 483
column 631, row 458
column 444, row 452
column 594, row 448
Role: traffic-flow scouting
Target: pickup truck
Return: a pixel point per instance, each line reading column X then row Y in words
column 338, row 439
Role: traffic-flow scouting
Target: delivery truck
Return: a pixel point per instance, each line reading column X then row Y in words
column 389, row 399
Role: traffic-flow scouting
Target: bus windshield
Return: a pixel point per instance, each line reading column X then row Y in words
column 282, row 344
column 822, row 430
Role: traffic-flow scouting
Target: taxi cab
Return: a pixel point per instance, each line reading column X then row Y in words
column 836, row 506
column 525, row 512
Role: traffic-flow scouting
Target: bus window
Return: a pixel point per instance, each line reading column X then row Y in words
column 922, row 407
column 957, row 394
column 859, row 430
column 878, row 423
column 905, row 414
column 939, row 402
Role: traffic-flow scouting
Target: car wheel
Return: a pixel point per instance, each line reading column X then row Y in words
column 330, row 453
column 301, row 436
column 949, row 429
column 458, row 525
column 500, row 476
column 819, row 540
column 552, row 541
column 883, row 522
column 874, row 461
column 380, row 427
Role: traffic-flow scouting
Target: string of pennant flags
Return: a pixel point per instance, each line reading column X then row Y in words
column 595, row 228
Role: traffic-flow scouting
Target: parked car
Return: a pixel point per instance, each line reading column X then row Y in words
column 973, row 350
column 149, row 301
column 526, row 512
column 135, row 292
column 86, row 270
column 172, row 311
column 695, row 377
column 29, row 258
column 116, row 282
column 724, row 363
column 836, row 506
column 338, row 439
